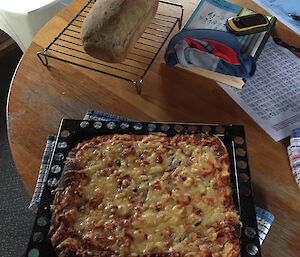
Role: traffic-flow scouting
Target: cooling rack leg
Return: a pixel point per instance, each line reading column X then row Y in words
column 181, row 17
column 44, row 59
column 138, row 86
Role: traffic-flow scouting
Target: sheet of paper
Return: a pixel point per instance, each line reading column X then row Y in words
column 211, row 14
column 272, row 96
column 281, row 9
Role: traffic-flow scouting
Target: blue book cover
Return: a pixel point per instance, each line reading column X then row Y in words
column 212, row 14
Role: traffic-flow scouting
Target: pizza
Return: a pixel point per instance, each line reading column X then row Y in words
column 146, row 195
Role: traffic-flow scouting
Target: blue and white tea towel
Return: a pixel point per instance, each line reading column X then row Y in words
column 294, row 154
column 264, row 218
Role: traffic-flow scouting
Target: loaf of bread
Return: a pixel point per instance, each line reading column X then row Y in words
column 112, row 27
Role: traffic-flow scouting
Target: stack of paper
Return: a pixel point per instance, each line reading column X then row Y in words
column 271, row 96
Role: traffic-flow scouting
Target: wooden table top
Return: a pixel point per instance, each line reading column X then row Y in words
column 41, row 96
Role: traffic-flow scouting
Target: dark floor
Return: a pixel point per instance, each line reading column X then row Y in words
column 15, row 219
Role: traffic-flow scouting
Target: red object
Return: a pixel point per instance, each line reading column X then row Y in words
column 220, row 50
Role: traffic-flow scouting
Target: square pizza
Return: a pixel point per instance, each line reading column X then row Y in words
column 146, row 195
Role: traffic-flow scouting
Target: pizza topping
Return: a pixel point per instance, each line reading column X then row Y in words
column 95, row 200
column 156, row 185
column 144, row 195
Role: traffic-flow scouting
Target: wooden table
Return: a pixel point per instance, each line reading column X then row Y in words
column 40, row 97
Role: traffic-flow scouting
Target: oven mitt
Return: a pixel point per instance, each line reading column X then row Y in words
column 213, row 50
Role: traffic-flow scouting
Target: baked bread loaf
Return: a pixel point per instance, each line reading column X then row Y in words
column 112, row 27
column 146, row 195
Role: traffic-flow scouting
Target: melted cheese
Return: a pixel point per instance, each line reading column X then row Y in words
column 152, row 195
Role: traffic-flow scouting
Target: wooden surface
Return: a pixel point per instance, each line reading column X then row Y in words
column 40, row 97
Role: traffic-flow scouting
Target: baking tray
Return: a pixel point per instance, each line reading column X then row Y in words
column 71, row 132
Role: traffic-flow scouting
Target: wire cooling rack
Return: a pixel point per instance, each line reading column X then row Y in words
column 67, row 46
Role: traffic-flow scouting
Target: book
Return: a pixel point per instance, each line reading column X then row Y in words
column 212, row 14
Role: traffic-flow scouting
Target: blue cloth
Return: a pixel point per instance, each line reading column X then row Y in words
column 294, row 154
column 179, row 51
column 103, row 116
column 295, row 133
column 264, row 220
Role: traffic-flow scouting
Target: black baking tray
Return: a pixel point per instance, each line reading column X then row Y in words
column 71, row 132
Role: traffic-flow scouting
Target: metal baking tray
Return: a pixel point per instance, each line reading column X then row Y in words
column 71, row 132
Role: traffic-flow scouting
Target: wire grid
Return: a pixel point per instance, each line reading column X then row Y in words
column 67, row 47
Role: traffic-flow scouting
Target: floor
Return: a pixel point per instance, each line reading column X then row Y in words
column 15, row 219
